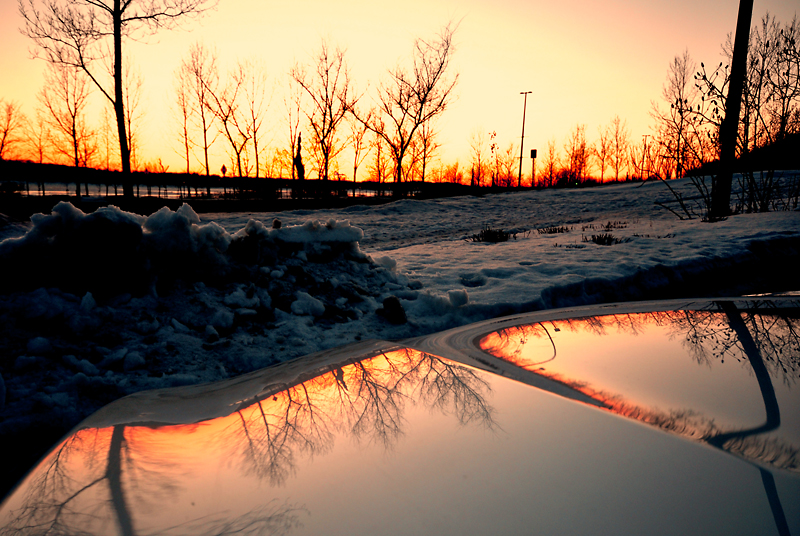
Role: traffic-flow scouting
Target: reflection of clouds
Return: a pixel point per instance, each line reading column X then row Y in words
column 707, row 336
column 101, row 481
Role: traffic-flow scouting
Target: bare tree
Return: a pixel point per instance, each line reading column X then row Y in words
column 226, row 106
column 183, row 109
column 550, row 164
column 477, row 147
column 359, row 143
column 12, row 125
column 409, row 99
column 577, row 154
column 784, row 81
column 134, row 114
column 508, row 160
column 256, row 105
column 379, row 170
column 293, row 101
column 331, row 97
column 63, row 99
column 426, row 146
column 728, row 134
column 453, row 174
column 38, row 138
column 678, row 127
column 602, row 150
column 88, row 35
column 620, row 145
column 203, row 77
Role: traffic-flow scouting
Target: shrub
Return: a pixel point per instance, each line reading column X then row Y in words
column 606, row 239
column 488, row 234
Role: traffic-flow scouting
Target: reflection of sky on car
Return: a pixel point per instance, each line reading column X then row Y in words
column 684, row 371
column 408, row 442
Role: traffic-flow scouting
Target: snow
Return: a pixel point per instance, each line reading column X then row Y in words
column 97, row 306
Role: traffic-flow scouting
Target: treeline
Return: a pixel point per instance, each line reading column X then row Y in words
column 212, row 109
column 328, row 129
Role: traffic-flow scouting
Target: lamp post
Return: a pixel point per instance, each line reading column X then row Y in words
column 522, row 138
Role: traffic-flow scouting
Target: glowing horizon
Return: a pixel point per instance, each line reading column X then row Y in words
column 583, row 62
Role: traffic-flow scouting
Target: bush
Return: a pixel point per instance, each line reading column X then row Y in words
column 488, row 234
column 606, row 239
column 553, row 229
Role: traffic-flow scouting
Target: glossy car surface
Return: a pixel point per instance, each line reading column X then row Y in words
column 656, row 418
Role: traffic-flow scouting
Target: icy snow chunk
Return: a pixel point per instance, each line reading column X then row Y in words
column 387, row 262
column 240, row 299
column 264, row 297
column 133, row 361
column 307, row 305
column 243, row 311
column 87, row 302
column 276, row 274
column 25, row 361
column 314, row 231
column 114, row 357
column 458, row 297
column 180, row 328
column 82, row 365
column 181, row 231
column 39, row 346
column 41, row 304
column 211, row 333
column 222, row 318
column 148, row 326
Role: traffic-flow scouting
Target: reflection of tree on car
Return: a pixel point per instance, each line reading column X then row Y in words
column 97, row 476
column 765, row 341
column 102, row 474
column 364, row 399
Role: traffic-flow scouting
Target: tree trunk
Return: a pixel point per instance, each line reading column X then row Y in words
column 119, row 106
column 721, row 186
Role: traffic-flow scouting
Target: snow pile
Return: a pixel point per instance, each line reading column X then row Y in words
column 96, row 306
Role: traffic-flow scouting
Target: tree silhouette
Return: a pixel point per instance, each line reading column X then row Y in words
column 257, row 103
column 88, row 35
column 63, row 100
column 12, row 123
column 678, row 126
column 411, row 98
column 331, row 95
column 202, row 77
column 360, row 144
column 620, row 143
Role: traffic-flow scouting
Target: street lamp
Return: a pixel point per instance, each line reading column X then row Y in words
column 522, row 138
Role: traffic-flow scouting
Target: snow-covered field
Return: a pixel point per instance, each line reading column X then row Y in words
column 93, row 307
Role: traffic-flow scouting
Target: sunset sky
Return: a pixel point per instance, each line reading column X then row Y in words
column 583, row 61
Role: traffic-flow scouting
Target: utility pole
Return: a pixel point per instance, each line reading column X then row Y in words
column 522, row 139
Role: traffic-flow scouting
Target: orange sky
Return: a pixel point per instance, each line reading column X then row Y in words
column 583, row 61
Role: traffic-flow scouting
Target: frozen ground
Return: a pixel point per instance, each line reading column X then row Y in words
column 93, row 307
